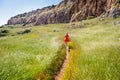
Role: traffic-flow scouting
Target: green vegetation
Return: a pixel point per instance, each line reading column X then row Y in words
column 90, row 17
column 54, row 67
column 94, row 51
column 24, row 32
column 3, row 32
column 97, row 52
column 30, row 56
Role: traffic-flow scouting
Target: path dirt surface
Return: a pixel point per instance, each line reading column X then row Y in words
column 60, row 74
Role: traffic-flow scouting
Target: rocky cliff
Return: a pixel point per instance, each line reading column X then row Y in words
column 69, row 11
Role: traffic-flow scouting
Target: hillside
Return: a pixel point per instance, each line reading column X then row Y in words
column 94, row 51
column 69, row 11
column 30, row 50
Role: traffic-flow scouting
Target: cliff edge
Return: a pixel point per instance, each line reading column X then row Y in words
column 68, row 11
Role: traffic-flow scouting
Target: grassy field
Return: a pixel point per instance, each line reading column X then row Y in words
column 94, row 53
column 26, row 56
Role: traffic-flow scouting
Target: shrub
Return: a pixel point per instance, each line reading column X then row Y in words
column 90, row 17
column 55, row 30
column 70, row 44
column 1, row 26
column 24, row 32
column 3, row 33
column 10, row 26
column 27, row 31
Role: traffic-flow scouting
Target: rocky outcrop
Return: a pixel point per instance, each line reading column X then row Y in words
column 94, row 8
column 114, row 11
column 69, row 11
column 29, row 17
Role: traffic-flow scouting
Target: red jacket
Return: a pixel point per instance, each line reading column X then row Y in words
column 67, row 38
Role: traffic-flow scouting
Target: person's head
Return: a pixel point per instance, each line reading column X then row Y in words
column 66, row 32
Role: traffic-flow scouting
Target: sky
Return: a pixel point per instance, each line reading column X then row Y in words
column 10, row 8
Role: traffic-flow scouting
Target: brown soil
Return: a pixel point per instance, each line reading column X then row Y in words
column 60, row 74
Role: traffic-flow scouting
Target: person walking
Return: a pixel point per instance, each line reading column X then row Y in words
column 67, row 38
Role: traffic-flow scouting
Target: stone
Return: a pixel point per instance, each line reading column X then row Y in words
column 68, row 11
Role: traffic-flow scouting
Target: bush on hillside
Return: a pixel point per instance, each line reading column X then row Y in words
column 70, row 44
column 27, row 31
column 90, row 17
column 4, row 32
column 24, row 32
column 11, row 27
column 1, row 26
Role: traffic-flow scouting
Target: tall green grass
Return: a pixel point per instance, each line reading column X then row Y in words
column 94, row 53
column 26, row 56
column 98, row 50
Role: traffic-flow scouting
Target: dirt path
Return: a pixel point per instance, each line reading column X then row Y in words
column 60, row 74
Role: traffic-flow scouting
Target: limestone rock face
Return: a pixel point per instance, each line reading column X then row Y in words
column 69, row 11
column 114, row 11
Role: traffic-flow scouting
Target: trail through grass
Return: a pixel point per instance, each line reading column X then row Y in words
column 24, row 56
column 94, row 52
column 98, row 53
column 71, row 68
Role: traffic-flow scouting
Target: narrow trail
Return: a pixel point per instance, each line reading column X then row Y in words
column 60, row 74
